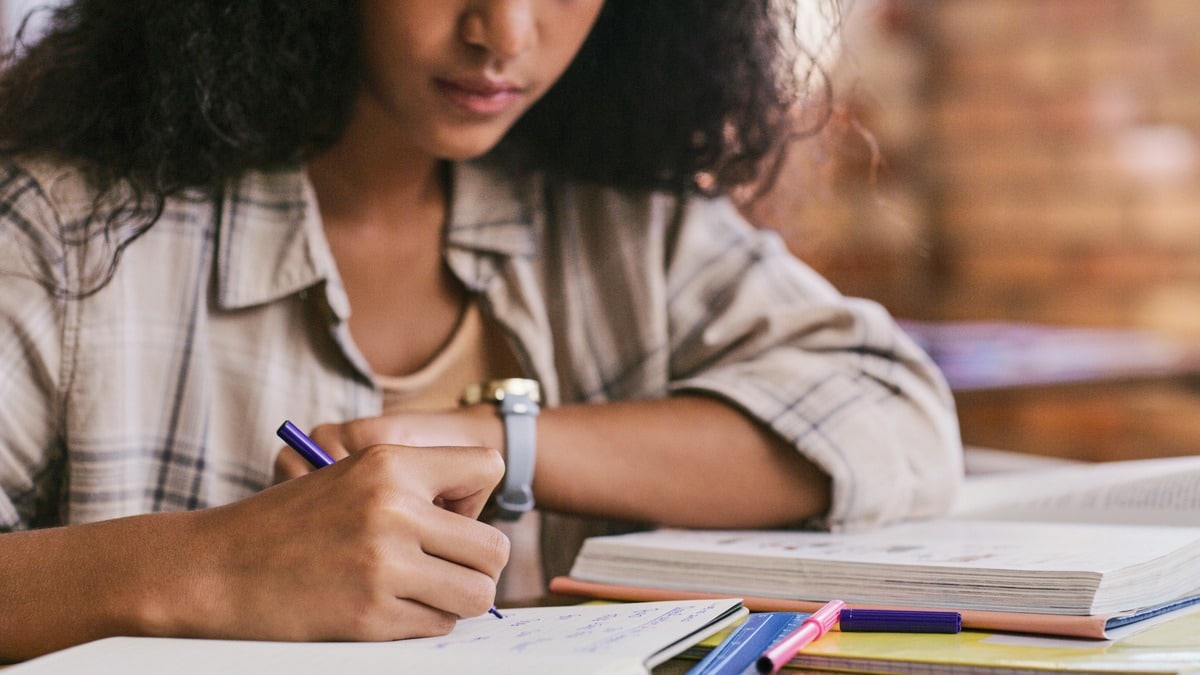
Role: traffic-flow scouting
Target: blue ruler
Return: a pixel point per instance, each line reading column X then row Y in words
column 738, row 652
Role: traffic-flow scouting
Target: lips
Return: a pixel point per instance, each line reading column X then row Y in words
column 478, row 96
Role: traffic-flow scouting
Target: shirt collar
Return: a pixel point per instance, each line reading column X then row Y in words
column 491, row 211
column 271, row 242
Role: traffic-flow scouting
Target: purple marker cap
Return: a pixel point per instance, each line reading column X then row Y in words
column 301, row 443
column 899, row 621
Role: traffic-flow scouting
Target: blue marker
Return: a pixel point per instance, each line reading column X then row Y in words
column 318, row 458
column 741, row 649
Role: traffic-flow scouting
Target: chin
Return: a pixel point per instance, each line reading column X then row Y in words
column 464, row 154
column 464, row 145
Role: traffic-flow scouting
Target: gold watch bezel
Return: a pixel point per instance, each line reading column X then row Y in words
column 495, row 391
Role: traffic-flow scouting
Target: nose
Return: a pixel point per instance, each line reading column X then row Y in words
column 505, row 28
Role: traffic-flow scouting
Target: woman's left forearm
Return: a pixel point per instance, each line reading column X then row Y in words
column 687, row 461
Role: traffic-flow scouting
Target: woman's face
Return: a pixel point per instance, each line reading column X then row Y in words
column 452, row 76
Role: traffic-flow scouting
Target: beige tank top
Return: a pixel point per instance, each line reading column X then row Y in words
column 476, row 351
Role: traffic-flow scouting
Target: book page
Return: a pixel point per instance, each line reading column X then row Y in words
column 609, row 638
column 1162, row 491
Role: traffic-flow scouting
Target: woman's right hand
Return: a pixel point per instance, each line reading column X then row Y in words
column 382, row 545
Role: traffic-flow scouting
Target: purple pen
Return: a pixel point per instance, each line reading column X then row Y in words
column 317, row 457
column 301, row 443
column 899, row 621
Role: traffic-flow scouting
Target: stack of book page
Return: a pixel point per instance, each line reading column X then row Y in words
column 1073, row 550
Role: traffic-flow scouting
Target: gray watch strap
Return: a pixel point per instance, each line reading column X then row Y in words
column 520, row 448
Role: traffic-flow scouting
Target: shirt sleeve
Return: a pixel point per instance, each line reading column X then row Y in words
column 834, row 376
column 31, row 338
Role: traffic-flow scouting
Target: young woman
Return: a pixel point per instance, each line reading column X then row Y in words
column 219, row 214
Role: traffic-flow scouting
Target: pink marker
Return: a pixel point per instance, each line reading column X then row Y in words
column 813, row 627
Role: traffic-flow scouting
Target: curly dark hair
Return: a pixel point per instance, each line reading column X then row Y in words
column 164, row 96
column 169, row 95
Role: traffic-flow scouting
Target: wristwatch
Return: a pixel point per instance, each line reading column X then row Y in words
column 517, row 402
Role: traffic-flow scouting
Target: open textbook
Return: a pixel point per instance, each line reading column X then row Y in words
column 606, row 638
column 1074, row 550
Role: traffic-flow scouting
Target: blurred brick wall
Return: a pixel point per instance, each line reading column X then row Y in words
column 1009, row 159
column 1062, row 160
column 1023, row 160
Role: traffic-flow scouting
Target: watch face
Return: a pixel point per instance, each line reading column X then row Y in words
column 517, row 386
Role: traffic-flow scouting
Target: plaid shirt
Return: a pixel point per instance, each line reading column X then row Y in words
column 162, row 390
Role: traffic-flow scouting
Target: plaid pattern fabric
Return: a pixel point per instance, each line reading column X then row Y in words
column 162, row 390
